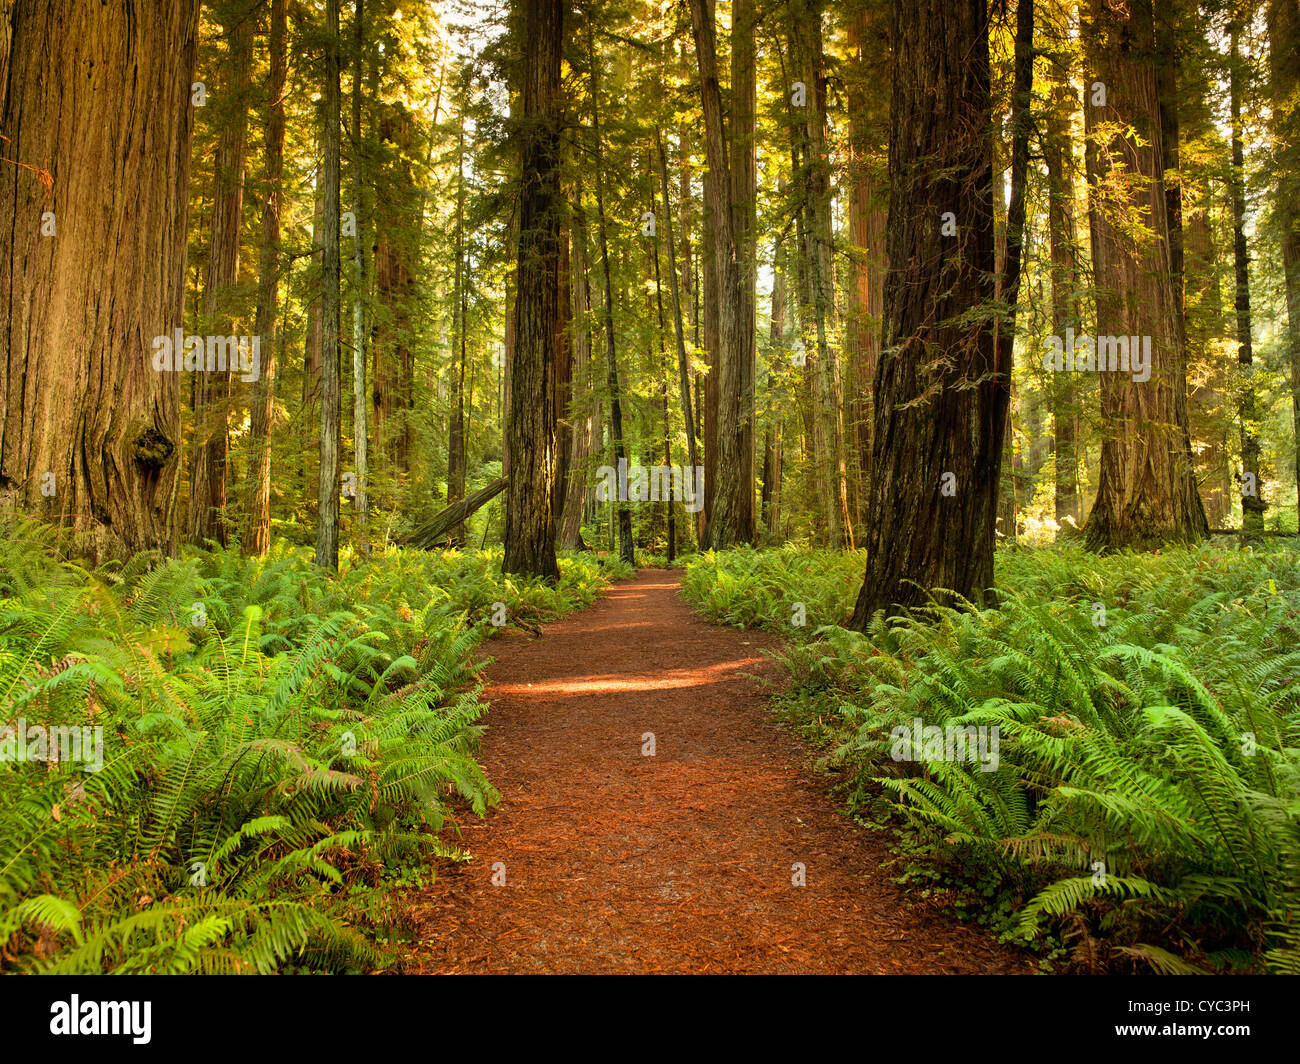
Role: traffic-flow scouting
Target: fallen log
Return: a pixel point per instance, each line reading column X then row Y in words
column 432, row 533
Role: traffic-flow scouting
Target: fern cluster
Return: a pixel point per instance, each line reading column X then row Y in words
column 276, row 741
column 1146, row 803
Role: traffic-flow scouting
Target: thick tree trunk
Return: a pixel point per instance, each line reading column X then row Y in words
column 257, row 534
column 89, row 430
column 530, row 429
column 1146, row 491
column 327, row 497
column 940, row 400
column 206, row 518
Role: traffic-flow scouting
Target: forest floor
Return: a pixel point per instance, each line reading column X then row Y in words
column 614, row 860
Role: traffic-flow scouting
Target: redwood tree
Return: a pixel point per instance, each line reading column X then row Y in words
column 1146, row 489
column 530, row 426
column 98, row 97
column 940, row 402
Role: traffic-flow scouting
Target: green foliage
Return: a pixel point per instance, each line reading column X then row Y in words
column 761, row 589
column 1164, row 744
column 277, row 741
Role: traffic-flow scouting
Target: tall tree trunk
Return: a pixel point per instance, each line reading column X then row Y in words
column 940, row 400
column 1252, row 495
column 257, row 533
column 625, row 544
column 206, row 518
column 771, row 498
column 391, row 361
column 1146, row 491
column 826, row 410
column 679, row 330
column 457, row 459
column 327, row 498
column 868, row 126
column 743, row 173
column 582, row 407
column 1010, row 254
column 1284, row 44
column 726, row 525
column 1065, row 305
column 359, row 398
column 92, row 421
column 669, row 517
column 530, row 429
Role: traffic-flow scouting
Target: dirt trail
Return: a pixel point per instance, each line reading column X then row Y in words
column 615, row 861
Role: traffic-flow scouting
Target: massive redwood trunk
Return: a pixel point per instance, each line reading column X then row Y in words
column 1146, row 491
column 98, row 94
column 530, row 429
column 940, row 403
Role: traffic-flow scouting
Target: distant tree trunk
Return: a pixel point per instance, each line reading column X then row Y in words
column 1284, row 44
column 206, row 517
column 257, row 534
column 89, row 431
column 391, row 362
column 679, row 331
column 940, row 397
column 669, row 517
column 530, row 429
column 563, row 383
column 1146, row 491
column 832, row 471
column 868, row 126
column 1008, row 266
column 327, row 526
column 315, row 323
column 771, row 499
column 457, row 459
column 360, row 400
column 726, row 525
column 626, row 547
column 1065, row 305
column 743, row 173
column 582, row 406
column 1252, row 494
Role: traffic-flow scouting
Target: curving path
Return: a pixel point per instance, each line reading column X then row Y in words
column 683, row 861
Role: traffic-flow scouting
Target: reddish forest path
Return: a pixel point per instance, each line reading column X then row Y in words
column 678, row 862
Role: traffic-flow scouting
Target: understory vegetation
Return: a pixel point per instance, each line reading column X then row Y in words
column 1144, row 812
column 281, row 747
